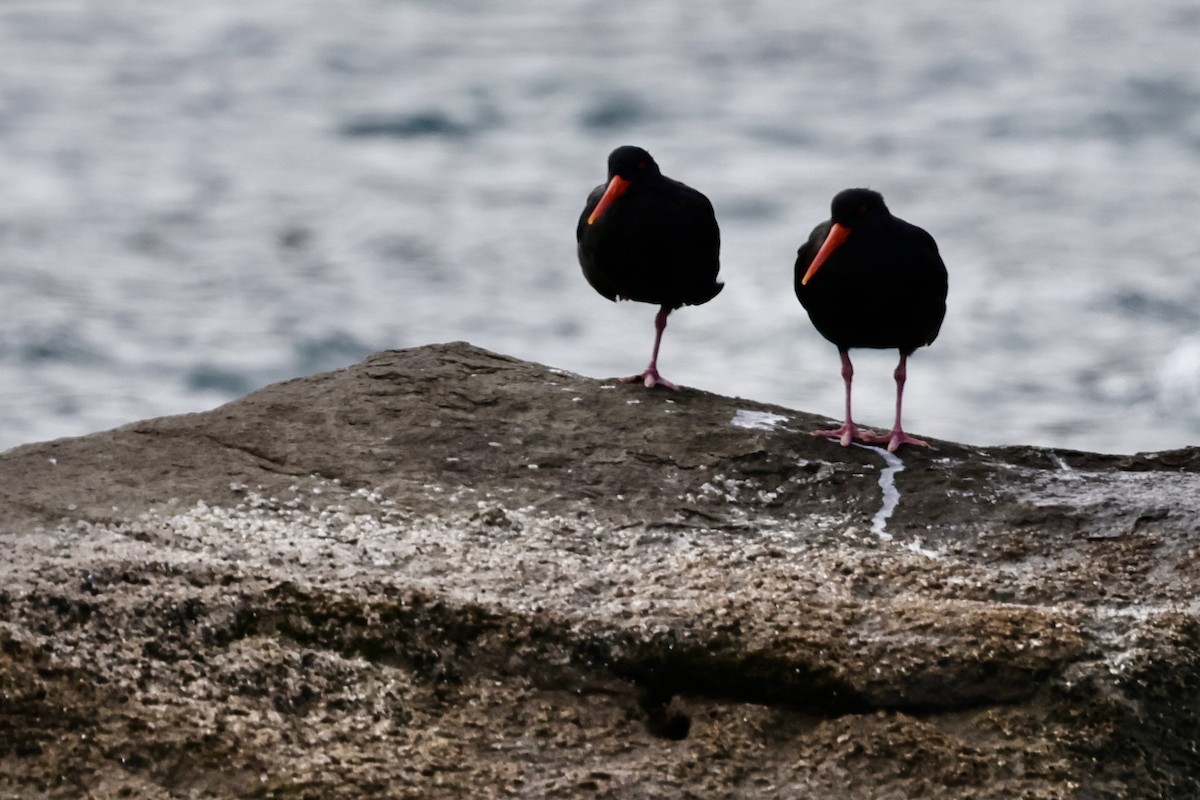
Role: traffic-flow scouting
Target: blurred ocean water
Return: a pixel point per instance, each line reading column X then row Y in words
column 198, row 200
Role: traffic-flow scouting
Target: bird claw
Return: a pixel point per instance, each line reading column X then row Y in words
column 650, row 378
column 894, row 439
column 846, row 434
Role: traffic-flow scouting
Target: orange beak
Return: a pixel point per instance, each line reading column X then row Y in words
column 616, row 187
column 838, row 235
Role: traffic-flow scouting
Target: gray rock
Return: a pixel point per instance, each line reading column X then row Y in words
column 444, row 572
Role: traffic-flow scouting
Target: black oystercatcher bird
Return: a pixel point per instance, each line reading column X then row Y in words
column 645, row 237
column 869, row 279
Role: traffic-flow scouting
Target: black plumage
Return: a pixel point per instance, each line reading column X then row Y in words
column 643, row 236
column 870, row 279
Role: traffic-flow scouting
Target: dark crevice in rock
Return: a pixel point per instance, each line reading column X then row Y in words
column 437, row 642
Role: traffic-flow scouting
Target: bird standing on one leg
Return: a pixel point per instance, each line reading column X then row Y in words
column 645, row 237
column 869, row 279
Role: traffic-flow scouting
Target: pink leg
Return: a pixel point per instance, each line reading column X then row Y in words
column 848, row 432
column 897, row 436
column 650, row 376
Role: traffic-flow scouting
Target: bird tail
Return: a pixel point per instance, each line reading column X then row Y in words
column 708, row 294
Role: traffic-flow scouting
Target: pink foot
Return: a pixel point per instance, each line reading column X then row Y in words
column 894, row 439
column 846, row 434
column 651, row 378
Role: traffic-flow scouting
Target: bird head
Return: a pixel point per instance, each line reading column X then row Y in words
column 626, row 166
column 852, row 206
column 850, row 209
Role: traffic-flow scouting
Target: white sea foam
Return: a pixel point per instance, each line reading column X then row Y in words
column 757, row 420
column 887, row 488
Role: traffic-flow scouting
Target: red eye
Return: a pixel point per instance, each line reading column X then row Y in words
column 862, row 210
column 642, row 165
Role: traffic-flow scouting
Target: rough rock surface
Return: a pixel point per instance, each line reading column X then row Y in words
column 444, row 572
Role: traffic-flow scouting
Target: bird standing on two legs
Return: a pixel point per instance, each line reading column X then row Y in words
column 869, row 279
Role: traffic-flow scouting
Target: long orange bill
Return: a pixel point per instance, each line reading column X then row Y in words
column 836, row 238
column 616, row 187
